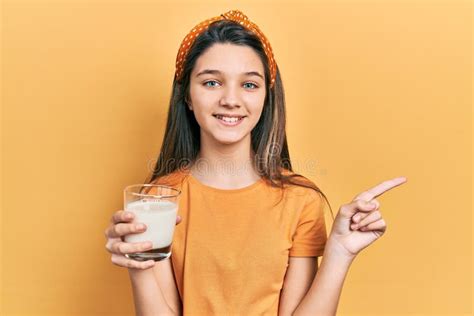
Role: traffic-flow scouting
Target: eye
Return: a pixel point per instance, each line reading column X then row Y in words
column 212, row 83
column 206, row 83
column 251, row 83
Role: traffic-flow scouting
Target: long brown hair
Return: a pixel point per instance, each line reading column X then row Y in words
column 181, row 141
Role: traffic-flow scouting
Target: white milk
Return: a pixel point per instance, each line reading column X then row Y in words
column 160, row 218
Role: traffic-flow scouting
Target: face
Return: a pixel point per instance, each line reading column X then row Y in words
column 227, row 92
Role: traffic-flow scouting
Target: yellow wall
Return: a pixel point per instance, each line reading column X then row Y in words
column 375, row 89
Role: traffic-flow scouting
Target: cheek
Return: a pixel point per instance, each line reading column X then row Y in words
column 202, row 116
column 256, row 103
column 201, row 102
column 256, row 117
column 202, row 99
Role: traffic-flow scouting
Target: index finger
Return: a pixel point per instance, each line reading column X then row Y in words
column 121, row 216
column 380, row 189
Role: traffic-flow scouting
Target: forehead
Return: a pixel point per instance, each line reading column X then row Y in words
column 229, row 58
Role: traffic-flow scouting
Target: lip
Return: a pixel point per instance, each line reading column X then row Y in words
column 228, row 115
column 230, row 124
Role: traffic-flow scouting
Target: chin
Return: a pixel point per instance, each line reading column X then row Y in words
column 228, row 139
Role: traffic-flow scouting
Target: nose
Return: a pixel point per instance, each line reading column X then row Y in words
column 230, row 97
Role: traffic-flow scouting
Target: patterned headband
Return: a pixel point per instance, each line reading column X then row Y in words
column 233, row 15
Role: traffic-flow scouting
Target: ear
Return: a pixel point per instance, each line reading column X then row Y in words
column 188, row 103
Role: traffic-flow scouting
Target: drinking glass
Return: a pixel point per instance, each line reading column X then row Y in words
column 156, row 206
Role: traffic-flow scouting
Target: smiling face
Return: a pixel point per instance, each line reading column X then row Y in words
column 227, row 80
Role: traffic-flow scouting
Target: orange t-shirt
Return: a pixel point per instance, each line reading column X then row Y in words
column 231, row 250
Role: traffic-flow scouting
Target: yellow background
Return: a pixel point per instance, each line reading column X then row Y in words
column 375, row 90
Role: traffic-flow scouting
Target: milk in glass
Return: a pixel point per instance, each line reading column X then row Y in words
column 159, row 216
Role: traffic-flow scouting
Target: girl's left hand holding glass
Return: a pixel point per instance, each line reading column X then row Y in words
column 119, row 227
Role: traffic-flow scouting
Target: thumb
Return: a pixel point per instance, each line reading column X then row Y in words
column 348, row 210
column 366, row 206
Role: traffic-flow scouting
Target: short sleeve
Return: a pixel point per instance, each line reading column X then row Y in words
column 310, row 236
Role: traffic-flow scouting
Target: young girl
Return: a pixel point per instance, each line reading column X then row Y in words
column 251, row 230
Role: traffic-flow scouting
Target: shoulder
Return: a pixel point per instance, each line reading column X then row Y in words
column 173, row 179
column 302, row 186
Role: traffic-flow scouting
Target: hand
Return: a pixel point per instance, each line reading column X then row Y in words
column 120, row 226
column 358, row 224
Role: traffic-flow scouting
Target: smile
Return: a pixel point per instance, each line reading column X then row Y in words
column 229, row 121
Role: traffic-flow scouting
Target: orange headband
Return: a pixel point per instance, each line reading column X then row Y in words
column 234, row 15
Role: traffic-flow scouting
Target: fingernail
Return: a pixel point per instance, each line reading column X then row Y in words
column 356, row 218
column 372, row 205
column 140, row 226
column 128, row 215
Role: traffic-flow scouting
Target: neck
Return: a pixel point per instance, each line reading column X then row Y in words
column 228, row 165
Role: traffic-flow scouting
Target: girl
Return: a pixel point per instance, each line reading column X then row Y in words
column 251, row 229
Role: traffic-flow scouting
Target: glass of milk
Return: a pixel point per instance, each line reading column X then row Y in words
column 156, row 206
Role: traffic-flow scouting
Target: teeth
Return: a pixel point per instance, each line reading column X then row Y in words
column 228, row 119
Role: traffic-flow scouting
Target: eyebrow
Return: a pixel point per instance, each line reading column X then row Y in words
column 215, row 71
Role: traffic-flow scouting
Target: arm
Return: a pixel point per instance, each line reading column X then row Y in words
column 153, row 286
column 323, row 296
column 148, row 297
column 298, row 278
column 164, row 275
column 357, row 225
